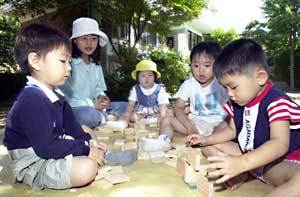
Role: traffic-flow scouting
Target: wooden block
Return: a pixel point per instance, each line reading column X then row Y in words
column 129, row 145
column 116, row 170
column 190, row 175
column 117, row 178
column 179, row 146
column 103, row 138
column 180, row 166
column 104, row 129
column 159, row 160
column 172, row 153
column 143, row 155
column 104, row 184
column 120, row 142
column 139, row 125
column 102, row 172
column 194, row 156
column 172, row 162
column 155, row 154
column 130, row 136
column 205, row 187
column 152, row 135
column 129, row 130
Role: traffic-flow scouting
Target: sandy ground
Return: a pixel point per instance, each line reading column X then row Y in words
column 146, row 179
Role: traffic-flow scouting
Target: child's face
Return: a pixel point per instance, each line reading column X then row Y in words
column 202, row 68
column 242, row 88
column 146, row 79
column 54, row 68
column 87, row 44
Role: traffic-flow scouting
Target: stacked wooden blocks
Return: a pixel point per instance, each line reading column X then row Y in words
column 190, row 167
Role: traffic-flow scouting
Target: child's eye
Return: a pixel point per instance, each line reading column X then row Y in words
column 234, row 87
column 63, row 61
column 208, row 65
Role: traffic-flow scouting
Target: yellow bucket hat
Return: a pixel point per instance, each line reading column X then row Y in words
column 145, row 65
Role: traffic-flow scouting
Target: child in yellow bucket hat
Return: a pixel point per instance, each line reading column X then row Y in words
column 147, row 100
column 145, row 65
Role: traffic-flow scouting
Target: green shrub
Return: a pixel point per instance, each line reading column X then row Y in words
column 172, row 66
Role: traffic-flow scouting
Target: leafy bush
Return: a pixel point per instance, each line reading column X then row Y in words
column 172, row 66
column 8, row 28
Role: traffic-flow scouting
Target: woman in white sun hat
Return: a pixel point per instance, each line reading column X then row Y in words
column 85, row 89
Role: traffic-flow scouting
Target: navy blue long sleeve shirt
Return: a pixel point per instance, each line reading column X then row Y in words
column 34, row 121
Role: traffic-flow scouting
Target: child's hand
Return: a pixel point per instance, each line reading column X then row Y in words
column 192, row 129
column 225, row 167
column 103, row 102
column 195, row 139
column 97, row 155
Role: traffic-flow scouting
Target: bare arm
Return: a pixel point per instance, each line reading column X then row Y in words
column 227, row 133
column 163, row 110
column 272, row 149
column 182, row 117
column 129, row 109
column 277, row 146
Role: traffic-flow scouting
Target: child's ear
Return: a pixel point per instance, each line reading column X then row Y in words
column 262, row 77
column 33, row 60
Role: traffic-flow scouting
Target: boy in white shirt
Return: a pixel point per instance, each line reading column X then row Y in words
column 205, row 95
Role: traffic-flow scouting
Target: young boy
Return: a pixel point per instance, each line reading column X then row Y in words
column 265, row 121
column 47, row 146
column 206, row 97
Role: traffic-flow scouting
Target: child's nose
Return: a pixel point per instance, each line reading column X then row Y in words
column 69, row 67
column 229, row 92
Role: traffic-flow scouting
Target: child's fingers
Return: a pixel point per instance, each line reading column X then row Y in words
column 102, row 146
column 217, row 159
column 223, row 179
column 220, row 153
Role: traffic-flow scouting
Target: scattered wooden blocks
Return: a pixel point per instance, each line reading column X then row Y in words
column 152, row 135
column 104, row 129
column 120, row 142
column 103, row 138
column 159, row 160
column 129, row 145
column 104, row 184
column 117, row 178
column 139, row 125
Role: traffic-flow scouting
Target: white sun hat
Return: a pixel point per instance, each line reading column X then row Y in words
column 85, row 26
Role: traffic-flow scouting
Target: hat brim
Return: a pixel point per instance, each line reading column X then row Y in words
column 133, row 74
column 103, row 39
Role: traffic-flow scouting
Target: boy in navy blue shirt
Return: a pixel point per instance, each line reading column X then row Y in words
column 47, row 146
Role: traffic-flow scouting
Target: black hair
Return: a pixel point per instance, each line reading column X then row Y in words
column 240, row 56
column 95, row 56
column 39, row 38
column 208, row 47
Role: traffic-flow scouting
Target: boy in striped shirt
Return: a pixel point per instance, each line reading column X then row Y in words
column 263, row 119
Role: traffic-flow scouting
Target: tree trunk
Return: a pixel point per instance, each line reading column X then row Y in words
column 292, row 62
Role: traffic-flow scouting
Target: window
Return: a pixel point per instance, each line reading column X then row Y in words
column 170, row 42
column 193, row 39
